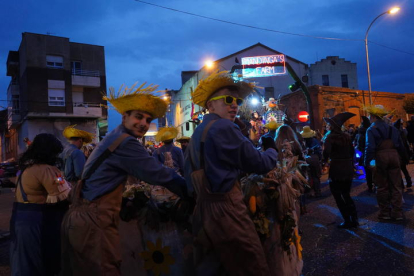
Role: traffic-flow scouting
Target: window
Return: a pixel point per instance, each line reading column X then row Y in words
column 54, row 61
column 325, row 80
column 76, row 67
column 344, row 80
column 56, row 97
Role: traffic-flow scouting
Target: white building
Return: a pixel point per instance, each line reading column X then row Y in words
column 334, row 71
column 274, row 80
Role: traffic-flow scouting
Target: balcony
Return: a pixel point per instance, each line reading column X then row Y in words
column 93, row 110
column 86, row 78
column 14, row 117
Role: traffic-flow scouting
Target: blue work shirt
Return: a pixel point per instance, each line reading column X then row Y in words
column 227, row 152
column 176, row 153
column 129, row 158
column 376, row 133
column 74, row 161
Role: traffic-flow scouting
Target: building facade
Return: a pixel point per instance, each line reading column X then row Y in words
column 328, row 101
column 54, row 83
column 273, row 81
column 334, row 71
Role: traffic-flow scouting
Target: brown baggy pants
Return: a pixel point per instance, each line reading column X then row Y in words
column 387, row 178
column 90, row 238
column 227, row 241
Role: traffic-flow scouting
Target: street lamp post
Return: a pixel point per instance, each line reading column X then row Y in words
column 391, row 11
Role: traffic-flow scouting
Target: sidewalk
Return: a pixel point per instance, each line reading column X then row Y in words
column 6, row 205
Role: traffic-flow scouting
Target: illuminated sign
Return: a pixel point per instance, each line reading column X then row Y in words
column 263, row 66
column 303, row 116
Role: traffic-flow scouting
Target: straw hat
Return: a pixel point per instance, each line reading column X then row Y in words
column 166, row 133
column 272, row 125
column 71, row 131
column 142, row 99
column 307, row 132
column 183, row 138
column 339, row 119
column 377, row 110
column 208, row 86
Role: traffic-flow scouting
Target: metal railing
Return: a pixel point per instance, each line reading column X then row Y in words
column 86, row 105
column 85, row 73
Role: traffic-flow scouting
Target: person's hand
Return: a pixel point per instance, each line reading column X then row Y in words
column 268, row 142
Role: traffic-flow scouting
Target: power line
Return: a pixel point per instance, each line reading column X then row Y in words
column 245, row 25
column 265, row 29
column 391, row 48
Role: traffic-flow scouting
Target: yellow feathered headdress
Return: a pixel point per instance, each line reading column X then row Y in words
column 377, row 110
column 141, row 98
column 212, row 83
column 71, row 131
column 166, row 133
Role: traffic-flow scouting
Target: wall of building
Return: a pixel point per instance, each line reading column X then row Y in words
column 328, row 101
column 334, row 67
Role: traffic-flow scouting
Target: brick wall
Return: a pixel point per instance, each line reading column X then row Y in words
column 328, row 100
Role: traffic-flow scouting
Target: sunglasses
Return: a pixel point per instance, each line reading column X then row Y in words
column 229, row 99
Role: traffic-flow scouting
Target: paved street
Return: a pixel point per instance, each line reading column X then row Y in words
column 375, row 248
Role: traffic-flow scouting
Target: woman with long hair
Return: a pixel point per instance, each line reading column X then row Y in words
column 339, row 149
column 285, row 132
column 40, row 205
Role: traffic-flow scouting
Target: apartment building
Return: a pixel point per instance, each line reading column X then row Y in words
column 54, row 83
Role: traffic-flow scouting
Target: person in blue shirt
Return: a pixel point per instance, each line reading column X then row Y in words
column 383, row 143
column 90, row 237
column 72, row 156
column 225, row 237
column 167, row 135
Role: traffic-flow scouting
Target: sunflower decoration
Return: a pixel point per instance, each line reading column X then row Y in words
column 145, row 99
column 157, row 259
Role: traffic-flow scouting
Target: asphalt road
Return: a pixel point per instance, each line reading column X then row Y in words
column 376, row 248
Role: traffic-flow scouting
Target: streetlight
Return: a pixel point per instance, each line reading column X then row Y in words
column 391, row 11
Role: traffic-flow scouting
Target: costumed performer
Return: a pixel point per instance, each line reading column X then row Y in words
column 90, row 238
column 225, row 236
column 40, row 205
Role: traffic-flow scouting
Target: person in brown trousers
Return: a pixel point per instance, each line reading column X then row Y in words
column 90, row 238
column 384, row 144
column 226, row 242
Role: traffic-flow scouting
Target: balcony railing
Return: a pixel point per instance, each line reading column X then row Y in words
column 85, row 73
column 86, row 109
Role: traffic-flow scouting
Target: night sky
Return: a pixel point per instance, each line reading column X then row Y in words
column 147, row 43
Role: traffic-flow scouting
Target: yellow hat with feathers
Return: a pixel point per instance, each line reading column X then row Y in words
column 143, row 99
column 206, row 87
column 166, row 133
column 377, row 110
column 71, row 131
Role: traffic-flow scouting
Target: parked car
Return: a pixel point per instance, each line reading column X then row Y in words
column 8, row 171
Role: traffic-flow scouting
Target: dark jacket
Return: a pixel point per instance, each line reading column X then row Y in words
column 410, row 131
column 376, row 134
column 338, row 147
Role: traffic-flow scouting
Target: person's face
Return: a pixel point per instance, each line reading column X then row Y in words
column 328, row 127
column 371, row 118
column 222, row 109
column 256, row 115
column 137, row 122
column 184, row 144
